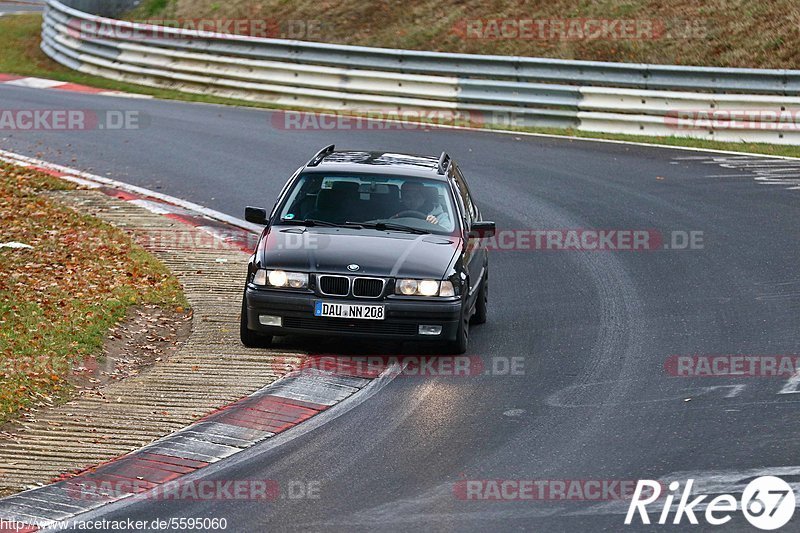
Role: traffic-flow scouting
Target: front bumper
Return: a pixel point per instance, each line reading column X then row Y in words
column 402, row 316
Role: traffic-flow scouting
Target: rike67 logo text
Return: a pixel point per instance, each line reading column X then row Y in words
column 767, row 503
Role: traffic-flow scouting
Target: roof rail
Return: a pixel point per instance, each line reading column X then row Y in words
column 444, row 163
column 317, row 159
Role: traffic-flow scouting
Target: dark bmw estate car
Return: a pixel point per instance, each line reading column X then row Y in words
column 373, row 245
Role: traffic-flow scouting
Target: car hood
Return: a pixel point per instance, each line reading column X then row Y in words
column 377, row 253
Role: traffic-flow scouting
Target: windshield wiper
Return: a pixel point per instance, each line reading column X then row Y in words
column 316, row 222
column 390, row 226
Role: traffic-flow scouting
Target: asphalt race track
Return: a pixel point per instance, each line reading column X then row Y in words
column 595, row 328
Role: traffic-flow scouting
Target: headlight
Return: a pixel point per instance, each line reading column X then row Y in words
column 407, row 286
column 278, row 278
column 428, row 287
column 297, row 280
column 424, row 287
column 281, row 279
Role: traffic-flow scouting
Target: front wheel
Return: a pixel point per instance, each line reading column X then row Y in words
column 459, row 345
column 250, row 338
column 482, row 302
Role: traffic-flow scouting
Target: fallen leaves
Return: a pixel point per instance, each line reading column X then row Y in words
column 59, row 297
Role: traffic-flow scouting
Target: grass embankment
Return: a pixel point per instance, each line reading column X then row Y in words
column 59, row 298
column 728, row 33
column 20, row 54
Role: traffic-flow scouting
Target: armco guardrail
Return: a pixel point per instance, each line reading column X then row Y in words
column 712, row 103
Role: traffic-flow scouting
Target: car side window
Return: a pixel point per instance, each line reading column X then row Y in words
column 462, row 206
column 469, row 207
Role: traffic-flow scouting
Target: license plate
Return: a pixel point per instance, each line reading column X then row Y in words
column 336, row 310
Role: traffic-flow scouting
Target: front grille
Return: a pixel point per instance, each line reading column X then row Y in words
column 367, row 287
column 343, row 324
column 334, row 285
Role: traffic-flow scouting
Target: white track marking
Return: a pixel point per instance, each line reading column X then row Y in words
column 735, row 390
column 150, row 206
column 791, row 385
column 781, row 172
column 35, row 83
column 729, row 176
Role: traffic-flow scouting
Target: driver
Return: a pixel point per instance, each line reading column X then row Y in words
column 414, row 199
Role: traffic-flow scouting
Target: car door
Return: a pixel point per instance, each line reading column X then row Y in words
column 475, row 256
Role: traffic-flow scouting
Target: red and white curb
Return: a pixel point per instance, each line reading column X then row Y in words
column 225, row 228
column 266, row 413
column 270, row 411
column 43, row 83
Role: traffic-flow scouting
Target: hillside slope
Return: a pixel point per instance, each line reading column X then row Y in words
column 740, row 33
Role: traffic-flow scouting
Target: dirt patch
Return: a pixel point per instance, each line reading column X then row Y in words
column 147, row 335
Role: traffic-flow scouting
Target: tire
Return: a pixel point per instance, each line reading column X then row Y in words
column 250, row 338
column 459, row 346
column 482, row 302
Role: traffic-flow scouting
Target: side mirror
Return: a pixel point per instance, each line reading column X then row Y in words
column 256, row 215
column 482, row 230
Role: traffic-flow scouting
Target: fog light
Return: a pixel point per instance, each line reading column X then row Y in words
column 430, row 330
column 269, row 320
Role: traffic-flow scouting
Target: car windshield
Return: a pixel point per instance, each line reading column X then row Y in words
column 395, row 203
